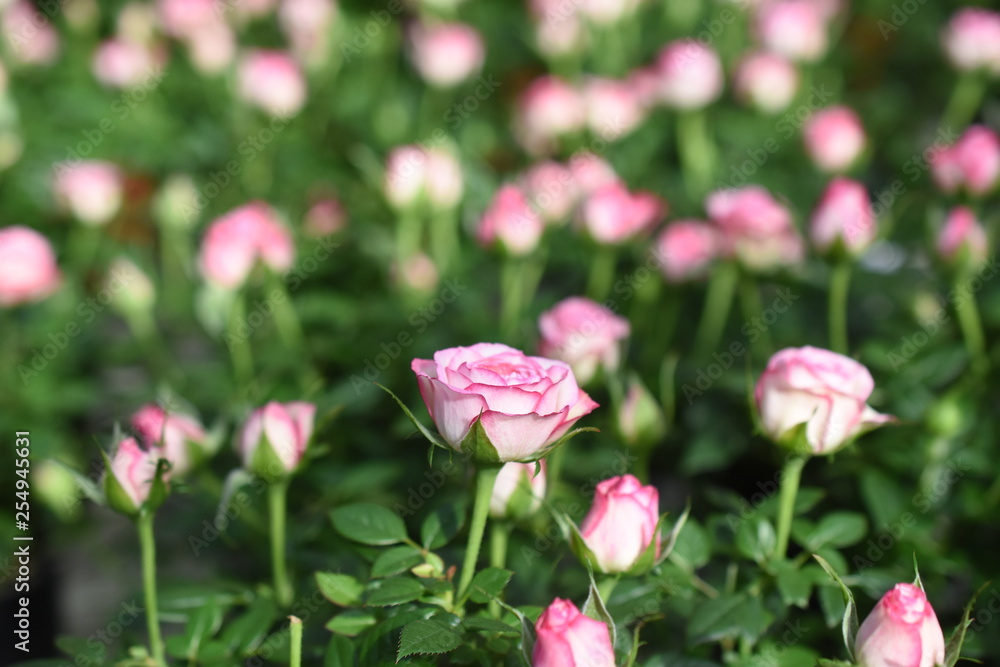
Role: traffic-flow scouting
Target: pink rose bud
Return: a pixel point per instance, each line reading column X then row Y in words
column 182, row 18
column 614, row 108
column 444, row 179
column 584, row 334
column 591, row 173
column 902, row 631
column 212, row 47
column 122, row 64
column 91, row 190
column 962, row 239
column 28, row 270
column 548, row 109
column 690, row 75
column 843, row 218
column 622, row 523
column 325, row 217
column 972, row 40
column 687, row 249
column 973, row 162
column 567, row 638
column 405, row 176
column 614, row 215
column 179, row 437
column 29, row 34
column 306, row 24
column 272, row 81
column 557, row 32
column 795, row 29
column 606, row 12
column 552, row 191
column 754, row 228
column 639, row 419
column 133, row 469
column 446, row 54
column 834, row 138
column 418, row 272
column 524, row 405
column 235, row 242
column 511, row 222
column 766, row 81
column 821, row 390
column 274, row 438
column 518, row 491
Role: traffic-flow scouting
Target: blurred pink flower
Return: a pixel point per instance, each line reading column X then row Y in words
column 962, row 234
column 446, row 54
column 834, row 138
column 28, row 270
column 754, row 228
column 273, row 81
column 843, row 215
column 30, row 37
column 511, row 221
column 551, row 189
column 766, row 81
column 91, row 190
column 795, row 29
column 235, row 242
column 547, row 109
column 690, row 75
column 612, row 214
column 120, row 63
column 971, row 40
column 687, row 249
column 613, row 107
column 325, row 217
column 973, row 162
column 585, row 334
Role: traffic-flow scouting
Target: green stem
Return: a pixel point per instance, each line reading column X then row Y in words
column 840, row 281
column 239, row 346
column 718, row 301
column 444, row 239
column 295, row 625
column 965, row 99
column 499, row 538
column 972, row 330
column 285, row 317
column 790, row 478
column 602, row 272
column 696, row 152
column 277, row 492
column 753, row 311
column 486, row 476
column 147, row 544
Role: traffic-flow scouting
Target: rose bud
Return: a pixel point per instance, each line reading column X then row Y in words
column 613, row 107
column 444, row 179
column 962, row 240
column 28, row 270
column 324, row 218
column 766, row 81
column 180, row 437
column 91, row 190
column 498, row 404
column 591, row 173
column 690, row 75
column 946, row 169
column 446, row 54
column 511, row 222
column 518, row 491
column 971, row 40
column 212, row 47
column 551, row 189
column 182, row 18
column 175, row 206
column 306, row 25
column 274, row 438
column 121, row 64
column 613, row 215
column 567, row 638
column 977, row 153
column 639, row 419
column 134, row 479
column 584, row 334
column 622, row 523
column 405, row 176
column 548, row 109
column 795, row 29
column 235, row 242
column 606, row 12
column 134, row 293
column 272, row 81
column 834, row 138
column 557, row 33
column 29, row 34
column 814, row 400
column 755, row 228
column 901, row 631
column 418, row 273
column 844, row 220
column 686, row 249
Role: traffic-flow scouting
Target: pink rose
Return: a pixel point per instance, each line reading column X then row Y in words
column 972, row 40
column 591, row 172
column 962, row 233
column 614, row 215
column 511, row 221
column 557, row 32
column 31, row 36
column 548, row 109
column 755, row 228
column 621, row 523
column 273, row 81
column 414, row 175
column 902, row 631
column 690, row 75
column 766, row 81
column 585, row 335
column 843, row 215
column 551, row 189
column 518, row 490
column 182, row 18
column 176, row 434
column 446, row 54
column 686, row 249
column 327, row 216
column 834, row 138
column 121, row 63
column 212, row 47
column 444, row 179
column 613, row 107
column 306, row 25
column 795, row 29
column 523, row 404
column 91, row 190
column 28, row 270
column 567, row 638
column 973, row 162
column 606, row 12
column 134, row 469
column 417, row 272
column 823, row 390
column 274, row 438
column 235, row 242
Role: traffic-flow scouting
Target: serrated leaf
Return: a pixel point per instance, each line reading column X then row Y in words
column 489, row 584
column 424, row 431
column 368, row 523
column 395, row 561
column 850, row 622
column 341, row 589
column 394, row 591
column 427, row 636
column 351, row 622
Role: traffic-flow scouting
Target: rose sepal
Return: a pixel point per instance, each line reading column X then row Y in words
column 424, row 431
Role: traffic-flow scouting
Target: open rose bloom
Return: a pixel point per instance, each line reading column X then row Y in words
column 902, row 631
column 522, row 405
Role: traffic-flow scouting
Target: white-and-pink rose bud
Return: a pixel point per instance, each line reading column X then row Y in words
column 548, row 108
column 511, row 221
column 591, row 172
column 29, row 35
column 585, row 334
column 28, row 270
column 518, row 491
column 844, row 219
column 755, row 228
column 901, row 631
column 181, row 437
column 418, row 272
column 405, row 176
column 690, row 75
column 274, row 438
column 606, row 12
column 962, row 239
column 212, row 47
column 446, row 54
column 182, row 18
column 622, row 523
column 973, row 163
column 613, row 107
column 639, row 419
column 567, row 638
column 325, row 217
column 971, row 40
column 90, row 190
column 521, row 405
column 551, row 190
column 834, row 138
column 128, row 483
column 557, row 32
column 766, row 81
column 120, row 63
column 235, row 242
column 444, row 184
column 686, row 249
column 306, row 24
column 795, row 29
column 814, row 400
column 273, row 81
column 613, row 215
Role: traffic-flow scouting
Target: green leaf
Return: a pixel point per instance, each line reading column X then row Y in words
column 794, row 584
column 351, row 622
column 368, row 523
column 838, row 529
column 395, row 561
column 953, row 651
column 202, row 624
column 433, row 439
column 247, row 631
column 484, row 624
column 427, row 636
column 339, row 652
column 850, row 622
column 488, row 584
column 341, row 589
column 728, row 617
column 693, row 548
column 442, row 525
column 389, row 592
column 756, row 539
column 822, row 662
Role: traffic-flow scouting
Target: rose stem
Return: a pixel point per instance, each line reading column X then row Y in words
column 718, row 300
column 295, row 625
column 499, row 537
column 964, row 100
column 602, row 272
column 277, row 492
column 972, row 329
column 790, row 478
column 753, row 309
column 239, row 347
column 697, row 152
column 486, row 475
column 840, row 281
column 147, row 545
